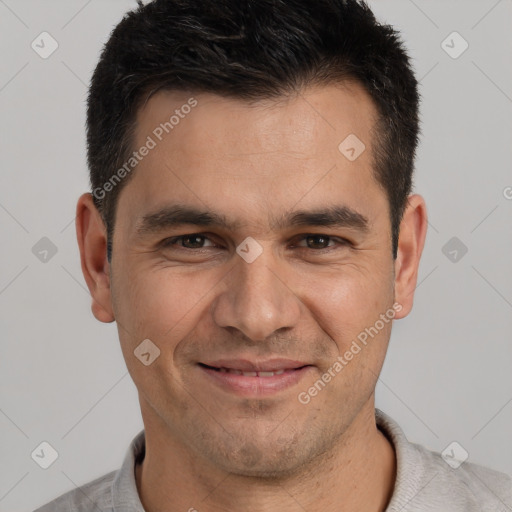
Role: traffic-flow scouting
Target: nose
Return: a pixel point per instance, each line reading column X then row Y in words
column 257, row 299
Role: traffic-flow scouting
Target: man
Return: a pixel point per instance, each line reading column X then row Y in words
column 252, row 232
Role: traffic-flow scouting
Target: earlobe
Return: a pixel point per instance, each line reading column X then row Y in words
column 92, row 241
column 413, row 231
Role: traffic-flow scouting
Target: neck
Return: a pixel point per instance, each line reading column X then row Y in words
column 357, row 474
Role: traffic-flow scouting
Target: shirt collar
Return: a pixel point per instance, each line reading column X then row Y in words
column 410, row 470
column 124, row 487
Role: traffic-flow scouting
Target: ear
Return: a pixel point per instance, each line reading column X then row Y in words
column 92, row 241
column 413, row 230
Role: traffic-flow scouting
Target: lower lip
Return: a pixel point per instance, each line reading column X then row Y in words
column 256, row 386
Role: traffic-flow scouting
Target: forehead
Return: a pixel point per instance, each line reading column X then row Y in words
column 264, row 156
column 303, row 123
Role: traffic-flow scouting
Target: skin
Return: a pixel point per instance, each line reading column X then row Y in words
column 253, row 163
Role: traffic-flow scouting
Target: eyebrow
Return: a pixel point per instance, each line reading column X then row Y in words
column 177, row 215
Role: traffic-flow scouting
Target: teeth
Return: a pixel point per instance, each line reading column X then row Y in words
column 251, row 374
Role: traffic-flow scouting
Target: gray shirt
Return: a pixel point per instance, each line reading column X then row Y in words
column 425, row 482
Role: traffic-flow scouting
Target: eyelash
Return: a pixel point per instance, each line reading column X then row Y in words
column 169, row 242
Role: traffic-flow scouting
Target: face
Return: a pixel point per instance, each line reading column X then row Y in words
column 254, row 254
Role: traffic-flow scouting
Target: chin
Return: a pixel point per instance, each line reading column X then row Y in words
column 276, row 459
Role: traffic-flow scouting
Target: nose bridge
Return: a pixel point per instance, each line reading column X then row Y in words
column 256, row 300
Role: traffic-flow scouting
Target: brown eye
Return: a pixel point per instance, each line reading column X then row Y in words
column 319, row 241
column 192, row 241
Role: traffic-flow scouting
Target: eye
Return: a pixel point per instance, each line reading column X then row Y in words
column 319, row 241
column 192, row 241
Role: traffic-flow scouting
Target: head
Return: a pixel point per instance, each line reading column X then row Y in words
column 251, row 114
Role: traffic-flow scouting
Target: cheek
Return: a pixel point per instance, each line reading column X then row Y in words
column 350, row 313
column 162, row 304
column 347, row 301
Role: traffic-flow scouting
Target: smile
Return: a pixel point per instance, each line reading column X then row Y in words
column 254, row 380
column 251, row 374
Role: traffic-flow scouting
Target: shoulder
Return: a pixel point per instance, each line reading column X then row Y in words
column 425, row 481
column 93, row 496
column 115, row 491
column 467, row 487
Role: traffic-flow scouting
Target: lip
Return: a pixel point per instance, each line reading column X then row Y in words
column 245, row 365
column 255, row 386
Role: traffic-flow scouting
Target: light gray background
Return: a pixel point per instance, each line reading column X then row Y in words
column 63, row 379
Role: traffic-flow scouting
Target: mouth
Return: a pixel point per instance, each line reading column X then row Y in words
column 247, row 378
column 249, row 374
